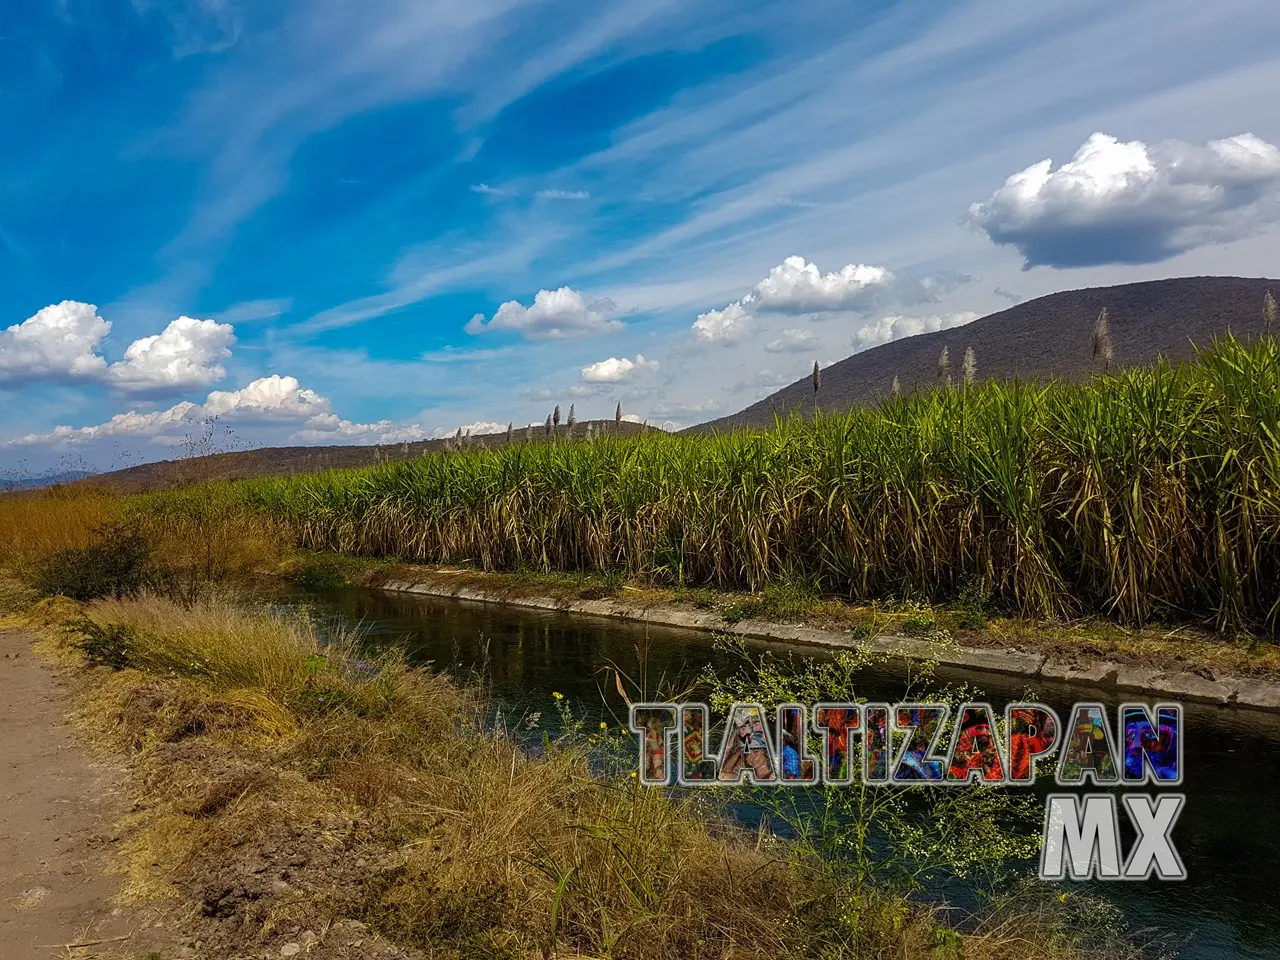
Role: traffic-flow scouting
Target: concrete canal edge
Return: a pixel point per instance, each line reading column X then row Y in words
column 1185, row 686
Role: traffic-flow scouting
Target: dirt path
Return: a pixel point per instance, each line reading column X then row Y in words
column 57, row 807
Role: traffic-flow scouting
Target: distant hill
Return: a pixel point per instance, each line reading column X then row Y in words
column 286, row 461
column 1049, row 337
column 10, row 484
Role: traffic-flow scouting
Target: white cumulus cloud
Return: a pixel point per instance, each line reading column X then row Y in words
column 130, row 424
column 796, row 286
column 730, row 325
column 330, row 428
column 60, row 343
column 185, row 354
column 793, row 341
column 896, row 327
column 1130, row 202
column 478, row 429
column 267, row 399
column 617, row 369
column 554, row 315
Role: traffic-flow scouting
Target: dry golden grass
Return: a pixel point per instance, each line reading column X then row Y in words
column 207, row 534
column 35, row 524
column 198, row 538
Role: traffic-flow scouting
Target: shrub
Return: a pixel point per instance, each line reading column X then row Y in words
column 105, row 645
column 973, row 605
column 118, row 565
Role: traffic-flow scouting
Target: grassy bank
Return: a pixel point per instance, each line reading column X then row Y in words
column 290, row 789
column 1152, row 494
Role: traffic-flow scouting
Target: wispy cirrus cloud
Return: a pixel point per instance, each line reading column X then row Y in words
column 750, row 131
column 794, row 340
column 254, row 311
column 563, row 195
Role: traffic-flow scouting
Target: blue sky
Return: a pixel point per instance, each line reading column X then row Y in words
column 333, row 222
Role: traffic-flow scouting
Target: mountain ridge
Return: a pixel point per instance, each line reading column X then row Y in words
column 1049, row 337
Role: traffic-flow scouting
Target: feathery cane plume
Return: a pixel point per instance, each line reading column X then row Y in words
column 548, row 428
column 944, row 365
column 617, row 416
column 896, row 389
column 555, row 417
column 528, row 431
column 1269, row 311
column 508, row 433
column 573, row 418
column 969, row 366
column 1102, row 349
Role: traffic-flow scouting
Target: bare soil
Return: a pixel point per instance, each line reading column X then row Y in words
column 279, row 892
column 57, row 806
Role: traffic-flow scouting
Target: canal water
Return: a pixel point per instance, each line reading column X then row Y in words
column 1228, row 834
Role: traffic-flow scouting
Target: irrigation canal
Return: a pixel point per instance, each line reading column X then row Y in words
column 1228, row 835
